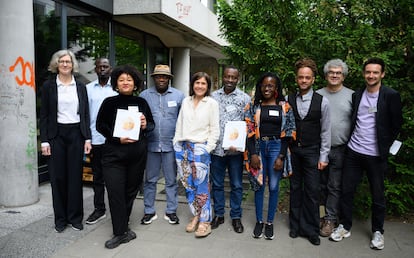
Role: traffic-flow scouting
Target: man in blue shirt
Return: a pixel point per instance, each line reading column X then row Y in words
column 98, row 90
column 165, row 103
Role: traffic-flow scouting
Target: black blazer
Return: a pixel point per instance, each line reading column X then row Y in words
column 48, row 110
column 388, row 117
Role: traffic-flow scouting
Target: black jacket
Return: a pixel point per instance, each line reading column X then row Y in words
column 388, row 116
column 48, row 110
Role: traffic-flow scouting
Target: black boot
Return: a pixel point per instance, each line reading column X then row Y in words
column 117, row 240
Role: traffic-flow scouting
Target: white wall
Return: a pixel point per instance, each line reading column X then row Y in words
column 189, row 13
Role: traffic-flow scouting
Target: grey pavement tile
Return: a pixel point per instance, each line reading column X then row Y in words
column 36, row 237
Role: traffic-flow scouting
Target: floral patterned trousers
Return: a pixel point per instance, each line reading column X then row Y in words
column 193, row 167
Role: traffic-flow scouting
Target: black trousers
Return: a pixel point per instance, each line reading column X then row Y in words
column 376, row 168
column 123, row 168
column 98, row 178
column 65, row 170
column 304, row 191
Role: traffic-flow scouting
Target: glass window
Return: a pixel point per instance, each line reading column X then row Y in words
column 47, row 41
column 87, row 36
column 47, row 36
column 157, row 54
column 129, row 46
column 139, row 49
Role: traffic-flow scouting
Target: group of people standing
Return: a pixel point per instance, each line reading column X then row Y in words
column 339, row 135
column 330, row 137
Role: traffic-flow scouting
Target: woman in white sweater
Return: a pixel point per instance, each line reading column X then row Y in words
column 197, row 132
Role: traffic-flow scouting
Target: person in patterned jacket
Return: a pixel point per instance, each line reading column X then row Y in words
column 232, row 102
column 270, row 128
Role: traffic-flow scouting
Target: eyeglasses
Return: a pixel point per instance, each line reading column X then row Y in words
column 330, row 73
column 64, row 62
column 269, row 86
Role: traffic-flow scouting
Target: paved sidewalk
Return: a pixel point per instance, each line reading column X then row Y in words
column 29, row 232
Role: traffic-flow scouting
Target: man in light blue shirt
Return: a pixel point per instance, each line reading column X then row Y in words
column 98, row 90
column 165, row 103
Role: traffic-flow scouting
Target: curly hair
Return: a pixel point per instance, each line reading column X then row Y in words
column 336, row 63
column 131, row 71
column 306, row 62
column 54, row 61
column 258, row 96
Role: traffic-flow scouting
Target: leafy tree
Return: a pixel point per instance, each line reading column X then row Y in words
column 270, row 35
column 260, row 36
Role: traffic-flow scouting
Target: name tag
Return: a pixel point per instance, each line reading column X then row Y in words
column 372, row 110
column 172, row 103
column 273, row 112
column 231, row 108
column 133, row 108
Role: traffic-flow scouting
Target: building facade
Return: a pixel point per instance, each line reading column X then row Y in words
column 181, row 33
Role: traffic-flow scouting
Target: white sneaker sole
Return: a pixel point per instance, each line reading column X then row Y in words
column 170, row 221
column 95, row 221
column 376, row 247
column 151, row 220
column 337, row 239
column 259, row 236
column 75, row 228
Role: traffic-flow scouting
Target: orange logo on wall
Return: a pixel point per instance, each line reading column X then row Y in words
column 26, row 67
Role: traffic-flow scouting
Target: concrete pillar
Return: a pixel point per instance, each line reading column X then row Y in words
column 18, row 134
column 181, row 69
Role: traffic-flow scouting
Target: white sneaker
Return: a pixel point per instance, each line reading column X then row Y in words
column 377, row 241
column 339, row 233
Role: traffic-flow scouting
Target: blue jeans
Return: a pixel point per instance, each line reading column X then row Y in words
column 234, row 166
column 269, row 151
column 156, row 161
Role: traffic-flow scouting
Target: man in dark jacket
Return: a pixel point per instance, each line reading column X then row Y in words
column 376, row 123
